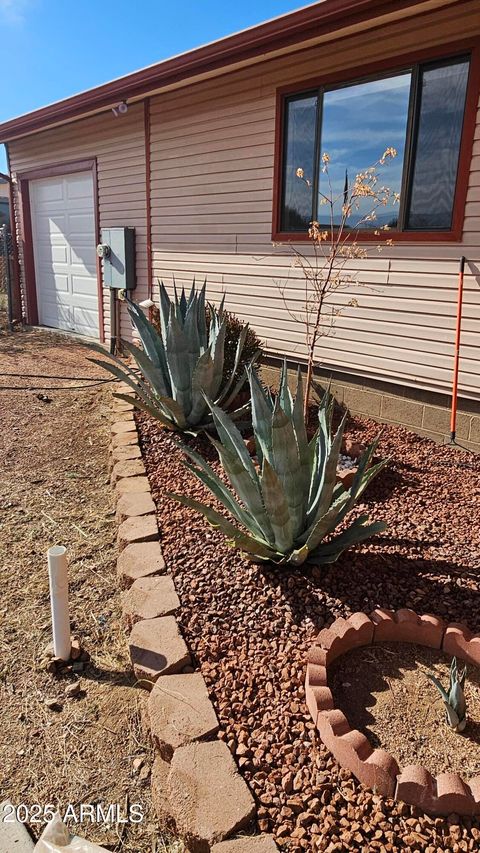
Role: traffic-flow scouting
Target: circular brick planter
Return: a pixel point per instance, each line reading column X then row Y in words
column 376, row 768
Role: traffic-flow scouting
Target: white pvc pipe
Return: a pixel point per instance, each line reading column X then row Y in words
column 58, row 578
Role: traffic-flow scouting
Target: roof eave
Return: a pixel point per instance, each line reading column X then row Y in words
column 260, row 41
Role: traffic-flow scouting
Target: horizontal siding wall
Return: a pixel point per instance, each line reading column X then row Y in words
column 118, row 143
column 211, row 207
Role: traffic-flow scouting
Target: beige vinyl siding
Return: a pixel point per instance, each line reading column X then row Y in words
column 212, row 148
column 118, row 143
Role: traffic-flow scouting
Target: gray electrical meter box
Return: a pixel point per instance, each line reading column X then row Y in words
column 117, row 251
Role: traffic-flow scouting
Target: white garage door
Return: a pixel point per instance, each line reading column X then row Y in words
column 63, row 230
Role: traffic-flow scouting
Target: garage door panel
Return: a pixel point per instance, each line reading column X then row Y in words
column 48, row 226
column 84, row 286
column 80, row 225
column 83, row 319
column 51, row 283
column 84, row 256
column 79, row 186
column 63, row 227
column 50, row 190
column 57, row 315
column 49, row 254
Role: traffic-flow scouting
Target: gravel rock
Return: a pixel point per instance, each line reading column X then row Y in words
column 250, row 627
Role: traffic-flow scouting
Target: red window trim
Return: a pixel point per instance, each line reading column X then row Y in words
column 23, row 186
column 466, row 145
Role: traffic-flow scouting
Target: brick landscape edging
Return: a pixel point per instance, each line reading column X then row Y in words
column 375, row 768
column 196, row 787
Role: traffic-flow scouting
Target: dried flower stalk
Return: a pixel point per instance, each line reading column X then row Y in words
column 325, row 271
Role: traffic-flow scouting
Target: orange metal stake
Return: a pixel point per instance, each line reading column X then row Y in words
column 453, row 419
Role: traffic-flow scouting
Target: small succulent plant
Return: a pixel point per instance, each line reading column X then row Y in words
column 454, row 700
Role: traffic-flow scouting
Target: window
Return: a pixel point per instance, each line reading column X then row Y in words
column 418, row 111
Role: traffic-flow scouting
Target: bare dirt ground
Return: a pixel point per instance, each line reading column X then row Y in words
column 384, row 691
column 54, row 489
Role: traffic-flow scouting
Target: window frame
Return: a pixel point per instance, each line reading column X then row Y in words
column 386, row 68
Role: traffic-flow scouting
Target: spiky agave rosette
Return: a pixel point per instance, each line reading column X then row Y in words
column 454, row 700
column 287, row 508
column 178, row 367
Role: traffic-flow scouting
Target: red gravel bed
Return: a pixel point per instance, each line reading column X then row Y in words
column 249, row 628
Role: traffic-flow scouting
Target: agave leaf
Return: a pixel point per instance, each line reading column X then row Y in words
column 233, row 441
column 153, row 410
column 321, row 501
column 202, row 322
column 363, row 465
column 322, row 526
column 177, row 361
column 325, row 414
column 302, row 440
column 296, row 557
column 284, row 392
column 183, row 304
column 220, row 401
column 202, row 379
column 122, row 366
column 218, row 360
column 248, row 492
column 164, row 310
column 176, row 411
column 171, row 412
column 276, row 507
column 286, row 463
column 456, row 699
column 221, row 307
column 236, row 364
column 363, row 477
column 364, row 481
column 153, row 374
column 207, row 476
column 127, row 376
column 330, row 552
column 240, row 382
column 262, row 413
column 192, row 296
column 319, row 449
column 190, row 330
column 452, row 716
column 175, row 308
column 441, row 690
column 246, row 543
column 151, row 340
column 241, row 412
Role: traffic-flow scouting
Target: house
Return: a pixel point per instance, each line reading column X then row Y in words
column 199, row 152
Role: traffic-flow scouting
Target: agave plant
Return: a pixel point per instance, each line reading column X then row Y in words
column 182, row 364
column 289, row 505
column 454, row 700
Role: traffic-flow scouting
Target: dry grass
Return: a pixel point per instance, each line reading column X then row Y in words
column 54, row 489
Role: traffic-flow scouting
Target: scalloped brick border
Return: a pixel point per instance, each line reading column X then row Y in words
column 141, row 562
column 376, row 768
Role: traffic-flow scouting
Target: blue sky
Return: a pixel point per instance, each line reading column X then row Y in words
column 54, row 48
